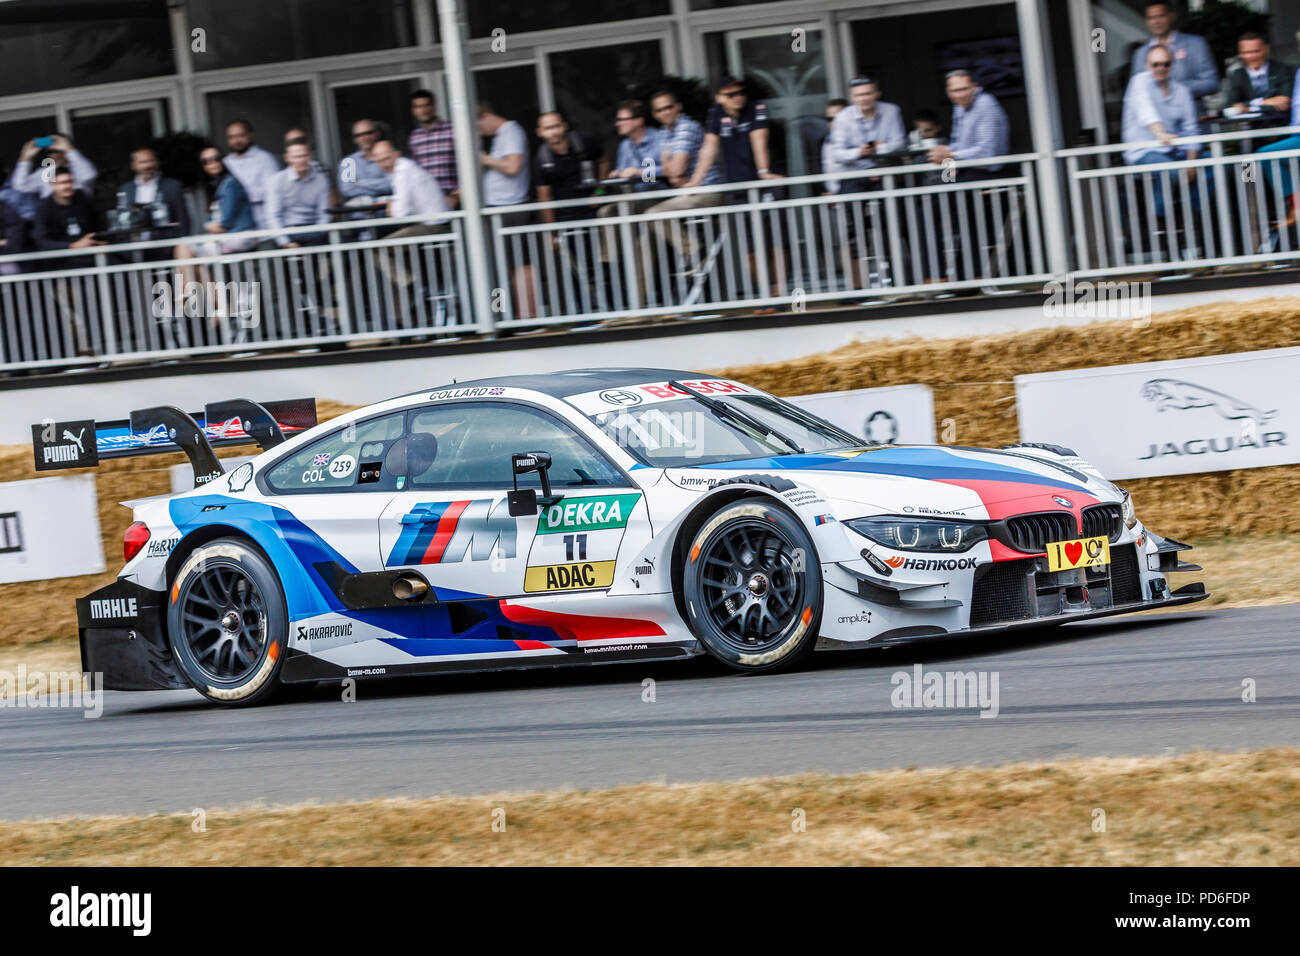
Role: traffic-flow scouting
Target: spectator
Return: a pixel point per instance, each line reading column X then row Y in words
column 13, row 237
column 1157, row 107
column 297, row 195
column 568, row 165
column 251, row 165
column 433, row 145
column 359, row 173
column 229, row 210
column 1260, row 83
column 979, row 126
column 829, row 165
column 415, row 193
column 505, row 183
column 925, row 126
column 65, row 219
column 865, row 130
column 150, row 186
column 641, row 148
column 28, row 178
column 1193, row 63
column 1291, row 142
column 736, row 137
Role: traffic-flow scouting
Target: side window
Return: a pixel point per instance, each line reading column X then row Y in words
column 474, row 442
column 348, row 459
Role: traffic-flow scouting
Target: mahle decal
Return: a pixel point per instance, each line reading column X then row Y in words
column 587, row 514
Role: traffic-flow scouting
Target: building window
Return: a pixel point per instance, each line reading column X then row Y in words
column 244, row 32
column 270, row 109
column 514, row 17
column 100, row 43
column 589, row 106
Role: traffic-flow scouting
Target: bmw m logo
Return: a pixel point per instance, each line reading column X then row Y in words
column 1063, row 502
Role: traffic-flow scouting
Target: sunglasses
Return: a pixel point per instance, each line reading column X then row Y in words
column 364, row 132
column 731, row 94
column 1161, row 64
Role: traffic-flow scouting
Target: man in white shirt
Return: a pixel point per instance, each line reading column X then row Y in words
column 251, row 165
column 28, row 178
column 505, row 183
column 868, row 128
column 415, row 193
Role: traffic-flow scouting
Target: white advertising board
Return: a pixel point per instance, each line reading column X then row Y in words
column 896, row 415
column 1180, row 417
column 49, row 528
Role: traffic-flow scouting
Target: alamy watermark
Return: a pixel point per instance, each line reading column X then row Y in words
column 946, row 689
column 36, row 690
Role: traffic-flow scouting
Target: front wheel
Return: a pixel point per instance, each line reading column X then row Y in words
column 228, row 622
column 753, row 586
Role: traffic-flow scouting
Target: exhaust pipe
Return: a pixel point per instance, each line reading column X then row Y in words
column 410, row 587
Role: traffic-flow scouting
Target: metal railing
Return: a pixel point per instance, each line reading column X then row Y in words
column 890, row 231
column 1220, row 209
column 139, row 301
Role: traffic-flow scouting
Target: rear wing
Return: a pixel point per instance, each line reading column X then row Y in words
column 164, row 428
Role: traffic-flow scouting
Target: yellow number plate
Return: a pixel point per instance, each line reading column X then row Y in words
column 1083, row 553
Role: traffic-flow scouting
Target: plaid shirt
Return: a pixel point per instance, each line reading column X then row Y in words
column 435, row 150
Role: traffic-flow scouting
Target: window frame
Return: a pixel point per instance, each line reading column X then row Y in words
column 268, row 490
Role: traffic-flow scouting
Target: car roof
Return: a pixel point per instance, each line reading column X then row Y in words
column 574, row 381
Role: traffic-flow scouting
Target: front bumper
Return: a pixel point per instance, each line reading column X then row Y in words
column 120, row 628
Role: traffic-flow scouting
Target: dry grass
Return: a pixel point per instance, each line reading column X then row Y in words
column 1202, row 809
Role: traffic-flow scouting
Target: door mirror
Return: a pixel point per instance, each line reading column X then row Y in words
column 526, row 500
column 523, row 503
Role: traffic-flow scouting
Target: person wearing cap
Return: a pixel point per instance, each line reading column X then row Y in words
column 736, row 138
column 864, row 131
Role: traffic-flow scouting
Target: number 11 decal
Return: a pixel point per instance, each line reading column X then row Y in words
column 582, row 546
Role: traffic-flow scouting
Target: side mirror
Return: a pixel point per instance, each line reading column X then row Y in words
column 525, row 502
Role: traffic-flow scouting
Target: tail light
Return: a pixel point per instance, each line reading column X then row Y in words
column 134, row 539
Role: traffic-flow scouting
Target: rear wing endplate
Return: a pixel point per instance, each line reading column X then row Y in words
column 164, row 428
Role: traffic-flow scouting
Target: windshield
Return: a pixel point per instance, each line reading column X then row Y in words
column 686, row 432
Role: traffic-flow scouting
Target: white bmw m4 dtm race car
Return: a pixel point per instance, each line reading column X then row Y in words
column 586, row 517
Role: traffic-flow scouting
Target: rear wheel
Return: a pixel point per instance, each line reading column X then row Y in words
column 228, row 622
column 753, row 586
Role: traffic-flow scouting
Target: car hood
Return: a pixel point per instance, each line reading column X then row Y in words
column 928, row 479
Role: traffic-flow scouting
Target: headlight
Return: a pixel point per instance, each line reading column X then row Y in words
column 1126, row 509
column 919, row 534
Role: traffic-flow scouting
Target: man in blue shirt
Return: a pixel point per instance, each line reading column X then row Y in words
column 980, row 128
column 1193, row 62
column 359, row 174
column 640, row 150
column 1159, row 108
column 1283, row 172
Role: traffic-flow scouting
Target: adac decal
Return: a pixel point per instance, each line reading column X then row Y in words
column 570, row 577
column 587, row 514
column 443, row 532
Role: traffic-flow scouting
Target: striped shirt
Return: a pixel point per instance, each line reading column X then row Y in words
column 435, row 150
column 687, row 136
column 980, row 131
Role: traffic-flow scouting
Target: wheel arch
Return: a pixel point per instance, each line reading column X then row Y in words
column 767, row 487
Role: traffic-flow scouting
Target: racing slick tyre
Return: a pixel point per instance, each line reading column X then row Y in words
column 752, row 585
column 228, row 622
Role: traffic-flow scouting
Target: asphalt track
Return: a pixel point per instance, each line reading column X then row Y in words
column 1133, row 685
